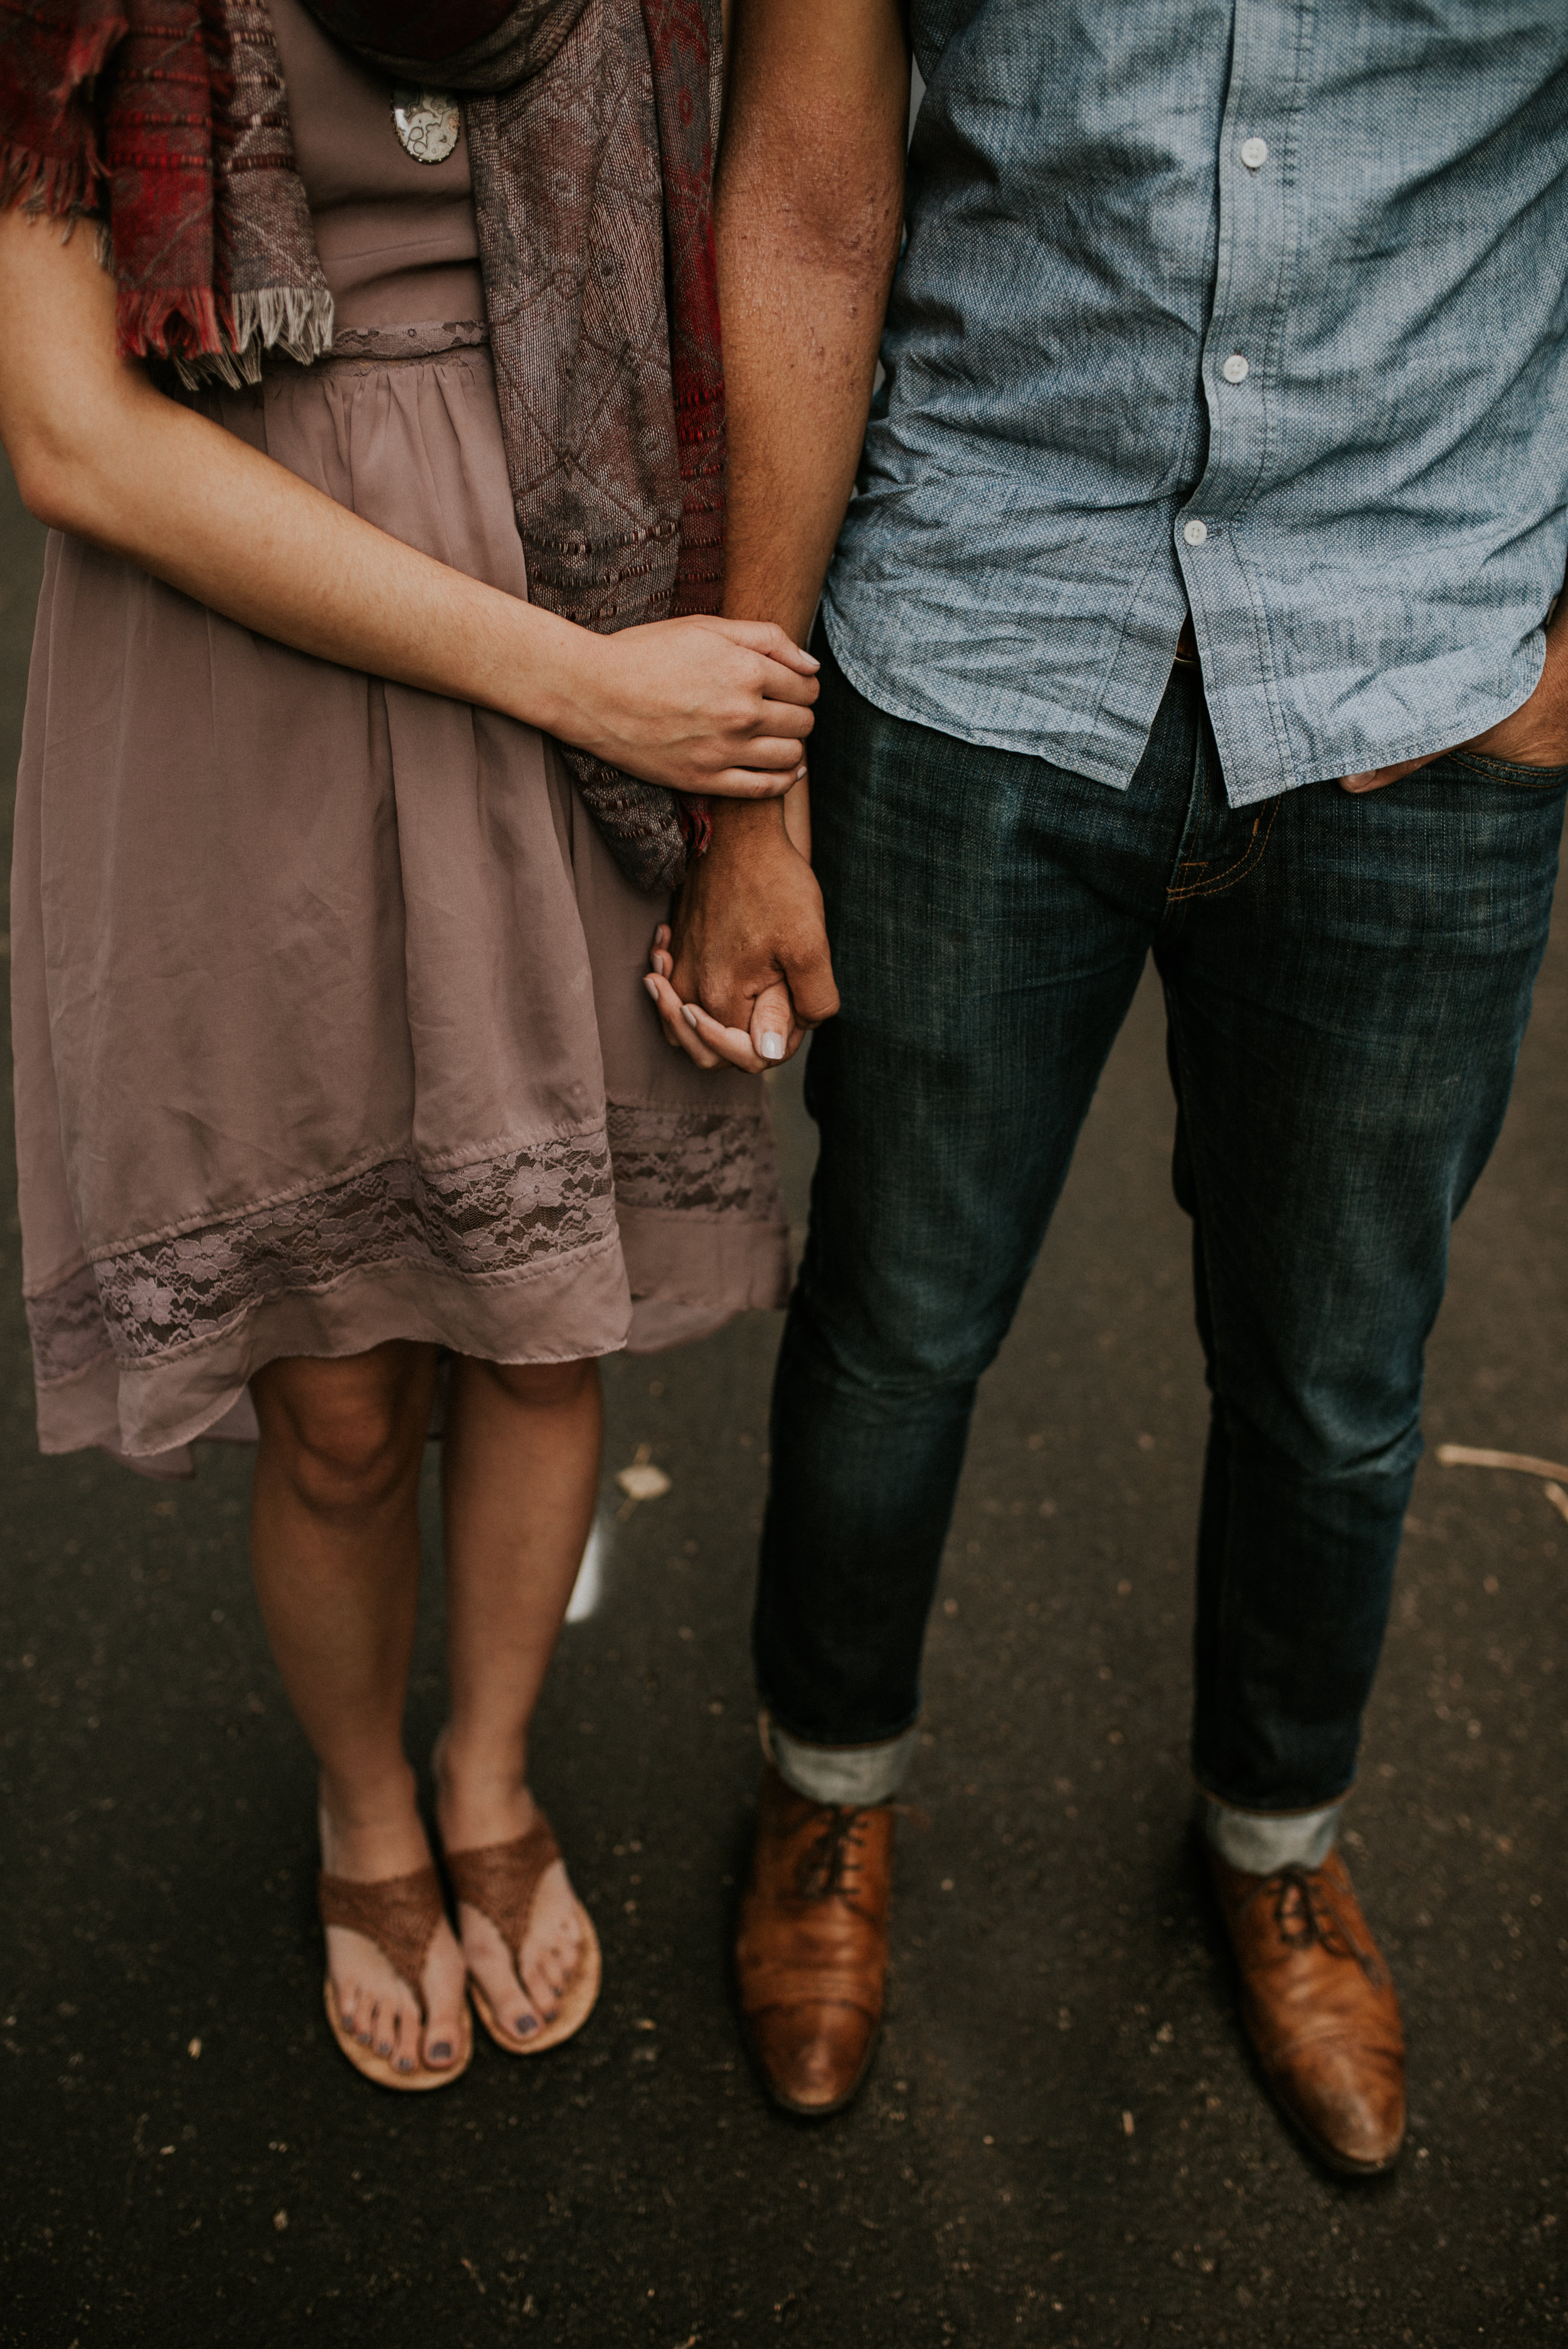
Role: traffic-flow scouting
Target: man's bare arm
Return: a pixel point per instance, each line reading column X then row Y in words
column 809, row 213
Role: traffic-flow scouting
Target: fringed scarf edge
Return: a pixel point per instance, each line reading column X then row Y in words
column 50, row 187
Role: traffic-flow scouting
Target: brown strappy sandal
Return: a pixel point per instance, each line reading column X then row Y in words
column 400, row 1914
column 501, row 1880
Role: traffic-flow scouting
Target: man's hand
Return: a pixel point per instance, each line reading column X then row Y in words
column 1533, row 735
column 748, row 970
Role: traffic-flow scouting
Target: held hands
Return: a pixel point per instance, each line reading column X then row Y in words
column 703, row 705
column 1533, row 735
column 746, row 971
column 773, row 1037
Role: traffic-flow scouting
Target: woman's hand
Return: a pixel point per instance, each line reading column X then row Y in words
column 704, row 705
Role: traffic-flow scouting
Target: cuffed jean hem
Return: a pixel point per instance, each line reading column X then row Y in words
column 851, row 1776
column 1260, row 1843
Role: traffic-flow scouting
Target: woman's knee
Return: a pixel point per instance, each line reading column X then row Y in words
column 346, row 1434
column 349, row 1459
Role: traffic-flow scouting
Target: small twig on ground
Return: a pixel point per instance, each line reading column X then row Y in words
column 1466, row 1456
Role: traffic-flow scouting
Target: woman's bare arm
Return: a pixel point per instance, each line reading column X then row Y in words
column 705, row 705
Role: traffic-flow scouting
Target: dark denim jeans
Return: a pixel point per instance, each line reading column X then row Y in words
column 1346, row 983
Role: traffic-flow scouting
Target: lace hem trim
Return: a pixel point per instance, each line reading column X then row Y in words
column 486, row 1222
column 695, row 1161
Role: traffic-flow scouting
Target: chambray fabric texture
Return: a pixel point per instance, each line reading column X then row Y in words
column 1346, row 983
column 1092, row 234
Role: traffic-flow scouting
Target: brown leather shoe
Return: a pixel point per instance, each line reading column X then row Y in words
column 1320, row 2010
column 811, row 1956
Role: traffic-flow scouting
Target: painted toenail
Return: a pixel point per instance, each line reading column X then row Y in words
column 441, row 2052
column 405, row 2063
column 527, row 2024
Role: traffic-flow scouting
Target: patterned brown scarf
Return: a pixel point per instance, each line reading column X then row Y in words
column 590, row 126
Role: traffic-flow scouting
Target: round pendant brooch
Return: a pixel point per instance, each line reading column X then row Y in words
column 426, row 121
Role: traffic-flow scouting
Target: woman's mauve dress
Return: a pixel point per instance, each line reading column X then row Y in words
column 328, row 1004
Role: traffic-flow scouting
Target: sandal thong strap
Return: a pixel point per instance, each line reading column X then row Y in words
column 400, row 1914
column 499, row 1879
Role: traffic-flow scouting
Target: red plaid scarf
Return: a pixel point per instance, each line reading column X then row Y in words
column 591, row 127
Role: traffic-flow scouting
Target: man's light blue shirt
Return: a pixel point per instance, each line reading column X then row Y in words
column 1250, row 306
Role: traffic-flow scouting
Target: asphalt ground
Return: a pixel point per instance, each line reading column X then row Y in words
column 1064, row 2140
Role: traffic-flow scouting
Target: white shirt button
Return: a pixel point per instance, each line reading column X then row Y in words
column 1254, row 153
column 1194, row 532
column 1235, row 368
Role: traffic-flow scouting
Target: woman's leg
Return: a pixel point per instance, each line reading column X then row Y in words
column 521, row 1463
column 334, row 1541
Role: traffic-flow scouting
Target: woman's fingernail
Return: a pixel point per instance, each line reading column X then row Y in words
column 652, row 986
column 810, row 660
column 771, row 1048
column 799, row 771
column 688, row 1015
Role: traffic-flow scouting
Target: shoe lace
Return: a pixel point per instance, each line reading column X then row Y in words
column 1305, row 1916
column 829, row 1860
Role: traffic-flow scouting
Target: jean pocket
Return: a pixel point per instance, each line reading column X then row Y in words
column 1511, row 771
